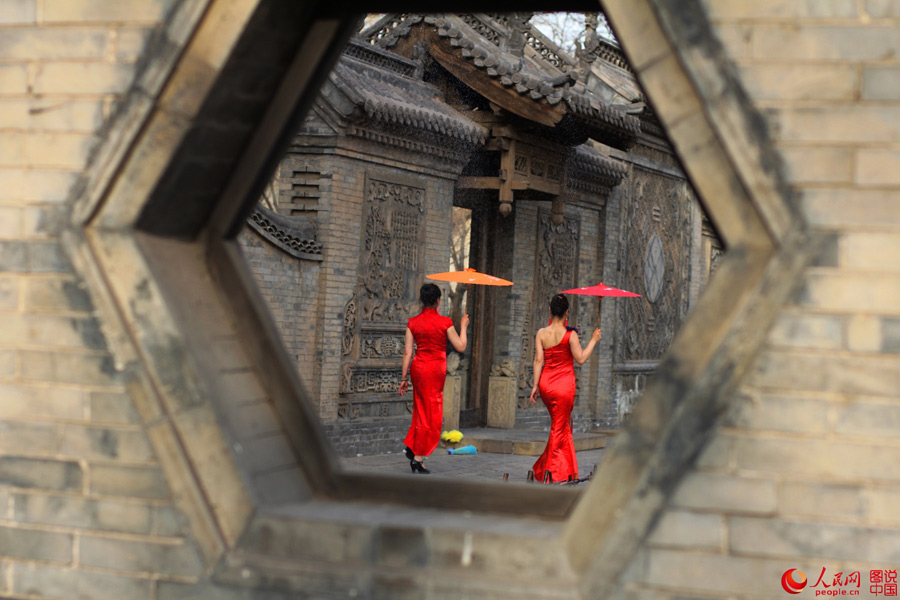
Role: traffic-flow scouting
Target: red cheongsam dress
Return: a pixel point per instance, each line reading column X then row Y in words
column 557, row 387
column 428, row 372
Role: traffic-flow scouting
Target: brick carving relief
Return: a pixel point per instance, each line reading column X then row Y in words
column 375, row 315
column 655, row 255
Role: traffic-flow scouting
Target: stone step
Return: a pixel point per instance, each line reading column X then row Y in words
column 524, row 442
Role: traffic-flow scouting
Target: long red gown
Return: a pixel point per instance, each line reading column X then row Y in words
column 428, row 372
column 557, row 387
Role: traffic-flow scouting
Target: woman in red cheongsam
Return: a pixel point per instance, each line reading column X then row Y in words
column 428, row 332
column 555, row 348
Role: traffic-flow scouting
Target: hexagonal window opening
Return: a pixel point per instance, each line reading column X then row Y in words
column 402, row 140
column 231, row 419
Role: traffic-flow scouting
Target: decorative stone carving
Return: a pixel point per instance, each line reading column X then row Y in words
column 377, row 344
column 654, row 259
column 452, row 401
column 506, row 368
column 291, row 236
column 501, row 402
column 375, row 316
column 654, row 268
column 351, row 317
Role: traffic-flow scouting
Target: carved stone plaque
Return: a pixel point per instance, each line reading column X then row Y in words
column 375, row 315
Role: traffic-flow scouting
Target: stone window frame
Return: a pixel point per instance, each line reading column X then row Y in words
column 148, row 312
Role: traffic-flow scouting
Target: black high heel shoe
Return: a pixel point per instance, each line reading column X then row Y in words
column 409, row 454
column 417, row 467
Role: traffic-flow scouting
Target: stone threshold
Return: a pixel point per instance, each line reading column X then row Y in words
column 528, row 442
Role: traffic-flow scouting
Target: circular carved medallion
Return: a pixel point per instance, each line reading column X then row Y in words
column 654, row 268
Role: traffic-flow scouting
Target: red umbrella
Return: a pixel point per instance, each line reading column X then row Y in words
column 469, row 276
column 600, row 290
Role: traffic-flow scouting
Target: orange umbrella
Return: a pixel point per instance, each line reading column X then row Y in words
column 469, row 276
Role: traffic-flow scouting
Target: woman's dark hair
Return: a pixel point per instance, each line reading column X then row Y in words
column 558, row 305
column 429, row 294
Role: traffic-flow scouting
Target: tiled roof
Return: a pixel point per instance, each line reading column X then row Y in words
column 387, row 97
column 529, row 78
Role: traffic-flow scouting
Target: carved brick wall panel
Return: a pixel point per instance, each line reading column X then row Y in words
column 655, row 259
column 375, row 315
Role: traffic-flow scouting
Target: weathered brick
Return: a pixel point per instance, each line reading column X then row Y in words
column 882, row 9
column 130, row 43
column 781, row 413
column 872, row 250
column 36, row 545
column 10, row 222
column 688, row 573
column 726, row 493
column 687, row 529
column 864, row 333
column 131, row 481
column 33, row 257
column 94, row 442
column 840, row 291
column 28, row 401
column 169, row 590
column 18, row 12
column 50, row 150
column 94, row 78
column 7, row 364
column 813, row 43
column 875, row 375
column 819, row 165
column 45, row 185
column 104, row 11
column 63, row 584
column 88, row 369
column 718, row 454
column 38, row 438
column 767, row 10
column 50, row 115
column 777, row 537
column 884, row 504
column 820, row 459
column 83, row 513
column 881, row 83
column 838, row 124
column 48, row 474
column 826, row 500
column 800, row 82
column 167, row 521
column 877, row 167
column 890, row 335
column 9, row 293
column 254, row 420
column 112, row 407
column 179, row 560
column 851, row 208
column 798, row 330
column 55, row 294
column 50, row 331
column 44, row 221
column 33, row 43
column 869, row 419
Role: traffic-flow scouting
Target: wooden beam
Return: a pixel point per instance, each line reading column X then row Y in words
column 489, row 183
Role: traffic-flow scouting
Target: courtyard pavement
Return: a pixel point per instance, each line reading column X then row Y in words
column 482, row 466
